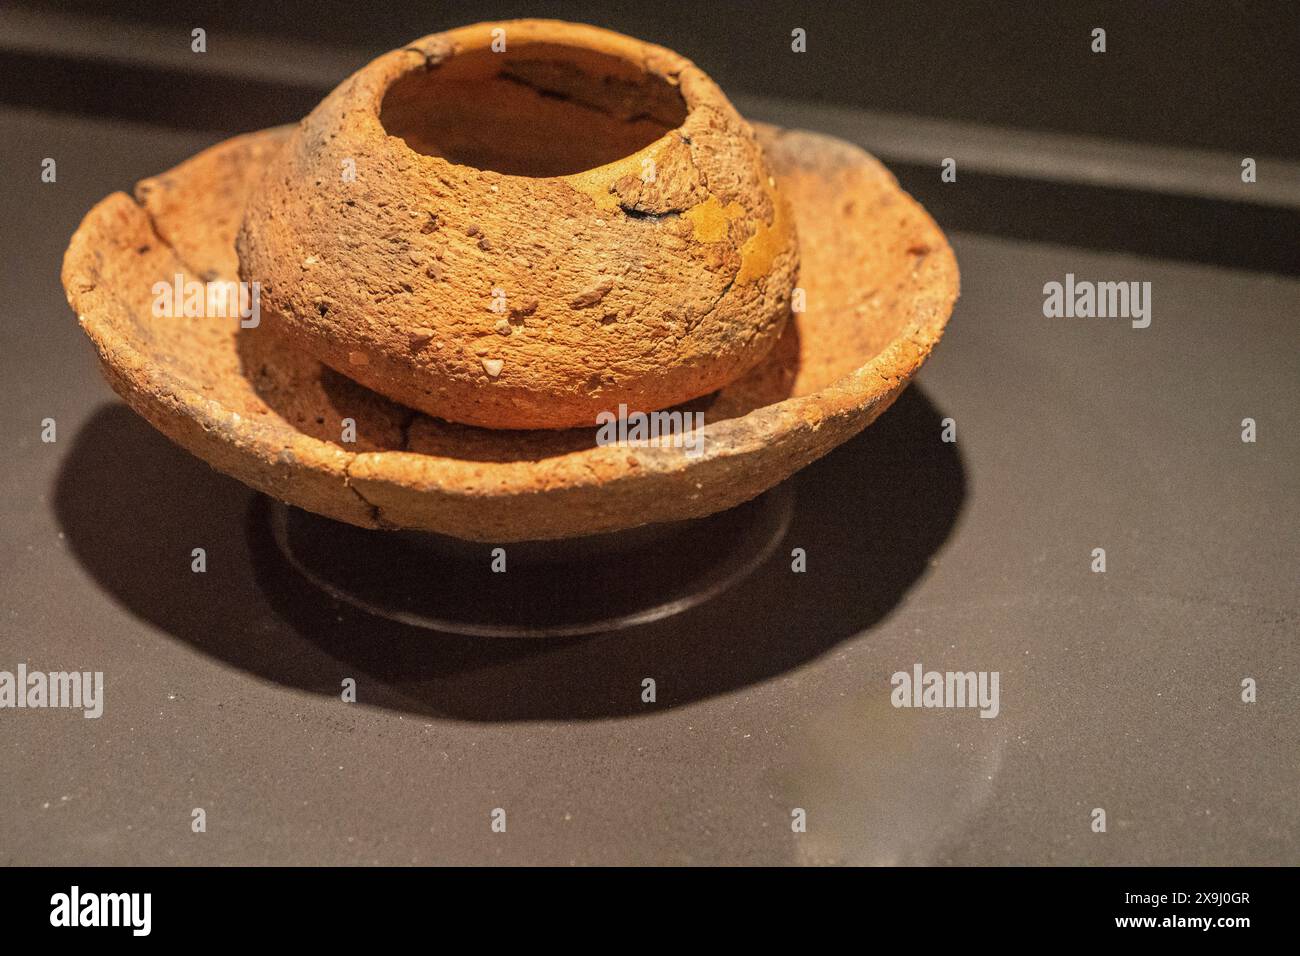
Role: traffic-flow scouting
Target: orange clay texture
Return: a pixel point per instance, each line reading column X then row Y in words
column 599, row 228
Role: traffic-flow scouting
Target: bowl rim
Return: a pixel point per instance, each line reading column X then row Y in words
column 694, row 86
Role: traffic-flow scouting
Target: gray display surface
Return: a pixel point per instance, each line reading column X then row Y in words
column 1119, row 690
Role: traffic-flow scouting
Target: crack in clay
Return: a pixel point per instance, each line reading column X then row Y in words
column 633, row 210
column 164, row 242
column 591, row 106
column 431, row 60
column 716, row 302
column 641, row 215
column 374, row 512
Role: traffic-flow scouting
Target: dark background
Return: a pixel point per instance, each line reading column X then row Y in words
column 1205, row 73
column 1137, row 149
column 1119, row 690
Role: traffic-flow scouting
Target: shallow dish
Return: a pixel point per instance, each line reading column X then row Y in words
column 878, row 282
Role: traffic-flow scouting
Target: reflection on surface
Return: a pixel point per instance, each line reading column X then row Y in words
column 886, row 787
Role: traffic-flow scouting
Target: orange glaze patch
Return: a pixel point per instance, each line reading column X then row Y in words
column 767, row 242
column 711, row 220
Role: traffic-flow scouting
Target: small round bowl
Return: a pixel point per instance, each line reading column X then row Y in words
column 879, row 278
column 523, row 225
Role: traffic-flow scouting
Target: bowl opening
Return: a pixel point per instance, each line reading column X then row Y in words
column 536, row 110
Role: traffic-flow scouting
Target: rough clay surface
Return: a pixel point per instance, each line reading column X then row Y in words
column 880, row 278
column 510, row 301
